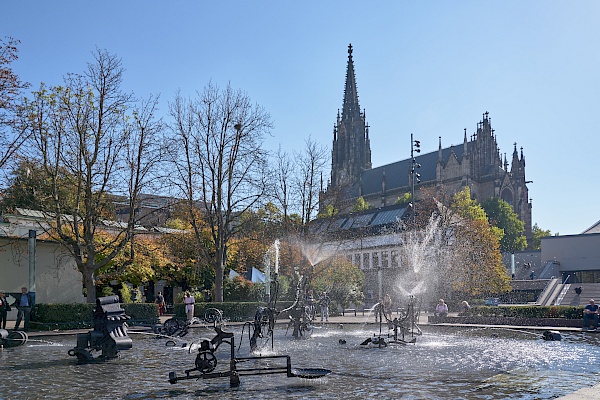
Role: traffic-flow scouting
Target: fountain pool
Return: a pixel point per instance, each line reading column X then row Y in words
column 444, row 363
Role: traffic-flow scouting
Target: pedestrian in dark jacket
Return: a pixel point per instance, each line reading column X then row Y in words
column 24, row 304
column 4, row 309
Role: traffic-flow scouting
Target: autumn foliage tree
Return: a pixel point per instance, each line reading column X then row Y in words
column 92, row 138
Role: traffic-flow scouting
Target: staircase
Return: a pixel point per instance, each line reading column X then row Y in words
column 571, row 298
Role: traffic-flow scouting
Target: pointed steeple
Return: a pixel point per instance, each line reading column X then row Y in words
column 351, row 150
column 351, row 107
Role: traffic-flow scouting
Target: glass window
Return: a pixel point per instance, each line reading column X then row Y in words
column 366, row 261
column 394, row 258
column 375, row 259
column 384, row 259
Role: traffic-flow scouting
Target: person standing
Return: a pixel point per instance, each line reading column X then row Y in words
column 324, row 301
column 4, row 308
column 387, row 306
column 160, row 300
column 24, row 304
column 189, row 301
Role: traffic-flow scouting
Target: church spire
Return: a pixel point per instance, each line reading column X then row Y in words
column 351, row 108
column 351, row 150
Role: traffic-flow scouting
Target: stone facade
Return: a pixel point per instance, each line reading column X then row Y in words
column 476, row 163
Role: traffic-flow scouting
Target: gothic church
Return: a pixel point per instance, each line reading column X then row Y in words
column 476, row 163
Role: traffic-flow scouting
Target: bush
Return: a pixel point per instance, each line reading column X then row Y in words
column 80, row 315
column 232, row 311
column 567, row 312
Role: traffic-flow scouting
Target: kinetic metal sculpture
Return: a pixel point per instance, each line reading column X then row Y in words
column 178, row 328
column 206, row 363
column 109, row 335
column 260, row 331
column 405, row 325
column 301, row 314
column 12, row 339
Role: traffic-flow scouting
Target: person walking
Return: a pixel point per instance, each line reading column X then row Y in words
column 4, row 309
column 324, row 301
column 160, row 300
column 24, row 304
column 189, row 301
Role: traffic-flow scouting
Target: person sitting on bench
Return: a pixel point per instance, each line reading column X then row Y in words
column 590, row 312
column 441, row 310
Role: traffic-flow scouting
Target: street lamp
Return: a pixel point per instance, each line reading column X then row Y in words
column 415, row 147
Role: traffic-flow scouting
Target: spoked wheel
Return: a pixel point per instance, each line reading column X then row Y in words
column 213, row 315
column 206, row 362
column 16, row 338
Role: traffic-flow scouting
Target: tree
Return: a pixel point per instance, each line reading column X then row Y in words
column 219, row 166
column 342, row 280
column 537, row 234
column 405, row 198
column 501, row 214
column 477, row 267
column 360, row 205
column 309, row 166
column 12, row 133
column 90, row 138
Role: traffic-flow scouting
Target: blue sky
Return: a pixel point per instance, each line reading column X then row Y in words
column 430, row 68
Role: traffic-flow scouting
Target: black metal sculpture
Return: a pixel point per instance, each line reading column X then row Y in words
column 301, row 314
column 405, row 325
column 206, row 363
column 109, row 335
column 177, row 328
column 12, row 339
column 260, row 330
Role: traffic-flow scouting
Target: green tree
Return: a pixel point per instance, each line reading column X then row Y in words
column 537, row 234
column 105, row 142
column 501, row 215
column 466, row 207
column 405, row 198
column 360, row 205
column 477, row 268
column 342, row 280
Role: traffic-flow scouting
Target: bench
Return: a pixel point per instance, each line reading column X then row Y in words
column 352, row 310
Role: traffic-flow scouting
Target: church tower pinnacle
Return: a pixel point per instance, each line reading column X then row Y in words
column 351, row 150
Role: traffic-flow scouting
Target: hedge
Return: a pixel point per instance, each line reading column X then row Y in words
column 79, row 315
column 232, row 311
column 568, row 312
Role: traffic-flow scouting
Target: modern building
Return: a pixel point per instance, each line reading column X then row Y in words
column 476, row 163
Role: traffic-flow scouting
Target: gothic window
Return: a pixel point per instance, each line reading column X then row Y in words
column 507, row 196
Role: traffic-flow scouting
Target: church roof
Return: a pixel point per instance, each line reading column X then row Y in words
column 371, row 219
column 397, row 174
column 593, row 229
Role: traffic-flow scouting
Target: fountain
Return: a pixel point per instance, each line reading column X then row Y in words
column 206, row 362
column 260, row 330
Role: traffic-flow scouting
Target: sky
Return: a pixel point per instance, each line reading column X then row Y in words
column 430, row 68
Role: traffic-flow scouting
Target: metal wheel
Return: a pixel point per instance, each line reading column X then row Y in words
column 206, row 362
column 213, row 315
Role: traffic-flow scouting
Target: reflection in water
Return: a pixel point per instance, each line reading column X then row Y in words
column 445, row 363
